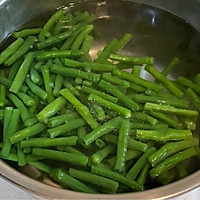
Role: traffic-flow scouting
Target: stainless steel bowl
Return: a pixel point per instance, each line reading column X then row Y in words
column 156, row 33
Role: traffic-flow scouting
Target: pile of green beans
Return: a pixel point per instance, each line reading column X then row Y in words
column 88, row 124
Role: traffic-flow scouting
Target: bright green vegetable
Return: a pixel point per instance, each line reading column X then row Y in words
column 169, row 149
column 98, row 156
column 80, row 38
column 165, row 81
column 137, row 80
column 121, row 110
column 132, row 60
column 101, row 130
column 51, row 109
column 72, row 158
column 47, row 142
column 115, row 92
column 42, row 55
column 21, row 74
column 171, row 65
column 23, row 49
column 94, row 179
column 170, row 109
column 124, row 131
column 19, row 104
column 26, row 32
column 10, row 50
column 27, row 132
column 70, row 182
column 134, row 171
column 169, row 135
column 36, row 89
column 89, row 90
column 172, row 161
column 92, row 65
column 81, row 109
column 132, row 144
column 75, row 73
column 64, row 128
column 58, row 120
column 116, row 177
column 53, row 19
column 2, row 91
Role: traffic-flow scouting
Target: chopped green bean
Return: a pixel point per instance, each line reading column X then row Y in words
column 53, row 19
column 124, row 131
column 165, row 81
column 46, row 80
column 36, row 90
column 26, row 32
column 143, row 174
column 10, row 50
column 188, row 83
column 123, row 111
column 102, row 171
column 48, row 142
column 92, row 65
column 58, row 84
column 180, row 103
column 101, row 130
column 54, row 39
column 41, row 55
column 58, row 120
column 137, row 167
column 27, row 132
column 167, row 119
column 170, row 109
column 169, row 149
column 35, row 76
column 89, row 90
column 122, row 42
column 94, row 179
column 80, row 38
column 64, row 179
column 2, row 91
column 132, row 60
column 20, row 156
column 64, row 128
column 144, row 117
column 41, row 166
column 27, row 100
column 114, row 91
column 195, row 99
column 23, row 49
column 72, row 158
column 98, row 112
column 75, row 73
column 172, row 161
column 14, row 69
column 31, row 121
column 132, row 144
column 81, row 109
column 109, row 48
column 136, row 70
column 171, row 65
column 169, row 135
column 19, row 104
column 98, row 156
column 137, row 80
column 21, row 74
column 51, row 109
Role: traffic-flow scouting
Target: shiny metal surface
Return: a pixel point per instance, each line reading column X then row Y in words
column 156, row 33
